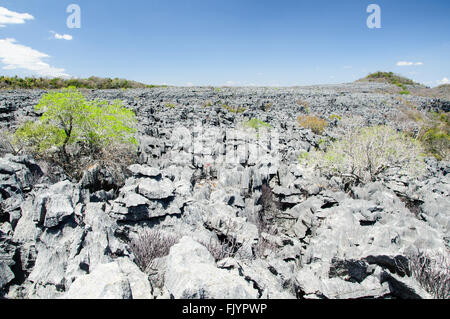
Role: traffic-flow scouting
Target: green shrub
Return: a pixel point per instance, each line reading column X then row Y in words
column 169, row 105
column 257, row 124
column 71, row 128
column 365, row 154
column 404, row 92
column 314, row 123
column 334, row 116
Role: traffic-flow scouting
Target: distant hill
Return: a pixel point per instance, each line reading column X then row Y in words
column 408, row 86
column 58, row 83
column 391, row 78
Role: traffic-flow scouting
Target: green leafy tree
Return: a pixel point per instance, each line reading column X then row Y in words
column 74, row 127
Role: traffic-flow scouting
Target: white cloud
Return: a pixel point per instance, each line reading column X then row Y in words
column 444, row 81
column 11, row 17
column 406, row 63
column 17, row 56
column 58, row 36
column 348, row 67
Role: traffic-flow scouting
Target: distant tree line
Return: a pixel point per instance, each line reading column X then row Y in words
column 59, row 83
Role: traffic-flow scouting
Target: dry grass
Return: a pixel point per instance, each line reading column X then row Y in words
column 432, row 273
column 314, row 123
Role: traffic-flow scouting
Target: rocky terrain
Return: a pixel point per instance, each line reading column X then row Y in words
column 247, row 220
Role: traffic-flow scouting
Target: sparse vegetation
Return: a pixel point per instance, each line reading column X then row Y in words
column 207, row 104
column 431, row 129
column 432, row 273
column 149, row 245
column 436, row 136
column 267, row 106
column 314, row 123
column 235, row 110
column 170, row 105
column 257, row 124
column 7, row 143
column 362, row 156
column 221, row 250
column 75, row 133
column 305, row 106
column 59, row 83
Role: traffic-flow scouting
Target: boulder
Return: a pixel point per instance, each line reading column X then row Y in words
column 120, row 279
column 192, row 273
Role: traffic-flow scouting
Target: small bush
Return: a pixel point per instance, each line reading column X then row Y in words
column 169, row 105
column 305, row 105
column 404, row 92
column 7, row 143
column 221, row 250
column 267, row 106
column 149, row 245
column 314, row 123
column 367, row 153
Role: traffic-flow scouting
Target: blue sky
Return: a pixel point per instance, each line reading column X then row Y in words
column 209, row 42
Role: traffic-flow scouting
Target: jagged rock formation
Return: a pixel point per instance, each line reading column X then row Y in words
column 203, row 177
